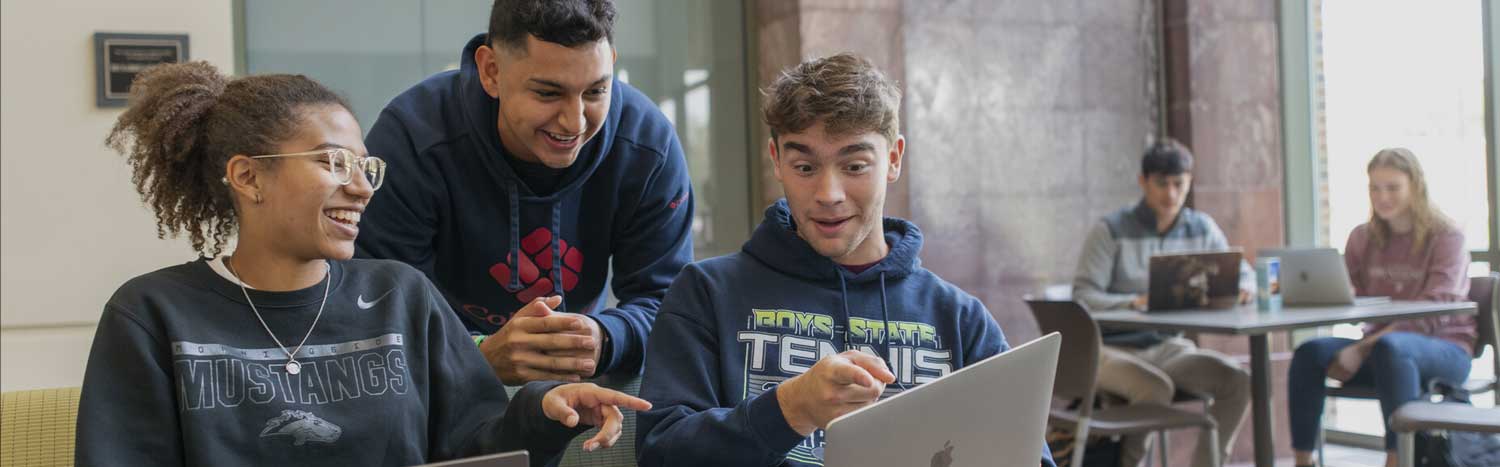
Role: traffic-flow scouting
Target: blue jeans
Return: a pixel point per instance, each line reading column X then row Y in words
column 1399, row 365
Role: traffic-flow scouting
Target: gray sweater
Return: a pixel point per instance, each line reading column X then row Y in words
column 1116, row 259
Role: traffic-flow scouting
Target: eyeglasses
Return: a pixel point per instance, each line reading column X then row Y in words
column 343, row 163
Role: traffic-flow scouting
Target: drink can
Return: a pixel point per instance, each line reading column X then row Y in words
column 1268, row 283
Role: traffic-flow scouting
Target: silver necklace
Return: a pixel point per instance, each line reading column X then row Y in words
column 292, row 366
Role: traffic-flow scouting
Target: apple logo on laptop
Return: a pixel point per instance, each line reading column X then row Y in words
column 943, row 458
column 1302, row 275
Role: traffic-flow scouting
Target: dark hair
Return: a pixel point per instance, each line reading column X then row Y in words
column 1166, row 157
column 185, row 121
column 845, row 91
column 568, row 23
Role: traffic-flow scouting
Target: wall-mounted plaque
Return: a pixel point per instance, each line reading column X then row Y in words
column 118, row 57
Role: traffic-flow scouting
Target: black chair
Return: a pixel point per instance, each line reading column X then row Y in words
column 1077, row 370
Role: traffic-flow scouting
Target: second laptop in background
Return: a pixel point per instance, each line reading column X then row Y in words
column 1316, row 276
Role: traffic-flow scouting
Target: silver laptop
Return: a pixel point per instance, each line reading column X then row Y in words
column 1316, row 276
column 990, row 413
column 508, row 459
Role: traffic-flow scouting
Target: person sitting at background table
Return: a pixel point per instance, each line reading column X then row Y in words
column 1408, row 251
column 1149, row 366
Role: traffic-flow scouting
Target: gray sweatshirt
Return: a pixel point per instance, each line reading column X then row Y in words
column 1116, row 259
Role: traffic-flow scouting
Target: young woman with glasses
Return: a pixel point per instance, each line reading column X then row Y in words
column 287, row 351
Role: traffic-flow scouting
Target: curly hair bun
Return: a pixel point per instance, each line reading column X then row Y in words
column 184, row 122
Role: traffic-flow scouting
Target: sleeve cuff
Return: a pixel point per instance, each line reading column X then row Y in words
column 617, row 333
column 768, row 424
column 1247, row 277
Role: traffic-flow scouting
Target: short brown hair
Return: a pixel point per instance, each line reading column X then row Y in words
column 185, row 121
column 845, row 91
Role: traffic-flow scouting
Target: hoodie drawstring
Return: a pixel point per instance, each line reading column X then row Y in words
column 885, row 316
column 557, row 259
column 515, row 247
column 885, row 323
column 844, row 297
column 515, row 239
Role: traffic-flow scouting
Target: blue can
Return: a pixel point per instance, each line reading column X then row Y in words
column 1268, row 283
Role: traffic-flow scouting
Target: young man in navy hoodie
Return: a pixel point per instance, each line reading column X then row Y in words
column 755, row 352
column 519, row 178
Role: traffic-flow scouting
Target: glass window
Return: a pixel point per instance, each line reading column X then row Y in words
column 1409, row 74
column 688, row 56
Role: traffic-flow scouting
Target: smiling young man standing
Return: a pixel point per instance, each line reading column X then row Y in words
column 827, row 308
column 525, row 175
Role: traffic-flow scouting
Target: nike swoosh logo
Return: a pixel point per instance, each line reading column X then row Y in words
column 364, row 305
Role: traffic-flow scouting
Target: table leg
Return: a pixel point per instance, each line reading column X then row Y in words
column 1260, row 394
column 1406, row 446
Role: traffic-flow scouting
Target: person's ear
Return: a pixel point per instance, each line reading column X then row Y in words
column 486, row 59
column 898, row 153
column 242, row 176
column 775, row 156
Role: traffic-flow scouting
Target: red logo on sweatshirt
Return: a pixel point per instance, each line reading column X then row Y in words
column 679, row 200
column 534, row 267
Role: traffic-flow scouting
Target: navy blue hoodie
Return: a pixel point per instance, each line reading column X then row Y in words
column 732, row 328
column 455, row 209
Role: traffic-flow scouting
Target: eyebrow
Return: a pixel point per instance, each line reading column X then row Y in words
column 333, row 145
column 559, row 85
column 844, row 151
column 799, row 147
column 856, row 148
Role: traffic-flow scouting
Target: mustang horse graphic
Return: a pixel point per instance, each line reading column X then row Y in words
column 302, row 426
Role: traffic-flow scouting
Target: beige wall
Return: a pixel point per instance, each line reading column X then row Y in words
column 73, row 227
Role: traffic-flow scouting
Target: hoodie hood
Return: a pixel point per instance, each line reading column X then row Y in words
column 481, row 113
column 775, row 243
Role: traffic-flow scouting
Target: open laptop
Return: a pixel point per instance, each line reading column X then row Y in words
column 508, row 459
column 1316, row 276
column 990, row 413
column 1194, row 280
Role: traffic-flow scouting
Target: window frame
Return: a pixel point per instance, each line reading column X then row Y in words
column 1299, row 137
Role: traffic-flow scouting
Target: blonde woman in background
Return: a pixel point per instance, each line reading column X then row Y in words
column 1408, row 251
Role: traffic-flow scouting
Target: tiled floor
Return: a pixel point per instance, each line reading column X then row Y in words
column 1346, row 456
column 1339, row 456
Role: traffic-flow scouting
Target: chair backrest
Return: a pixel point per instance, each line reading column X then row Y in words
column 1078, row 362
column 1484, row 291
column 38, row 427
column 623, row 452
